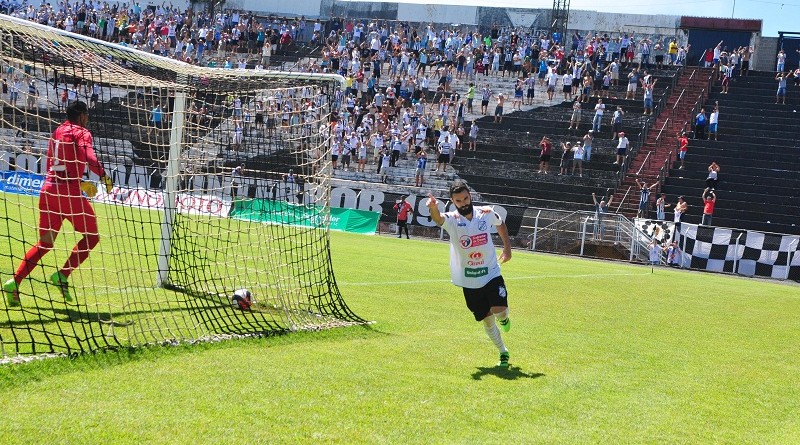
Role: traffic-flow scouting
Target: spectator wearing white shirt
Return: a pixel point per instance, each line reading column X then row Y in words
column 598, row 115
column 713, row 121
column 622, row 148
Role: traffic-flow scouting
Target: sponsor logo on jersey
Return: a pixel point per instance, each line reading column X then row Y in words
column 474, row 272
column 475, row 259
column 474, row 240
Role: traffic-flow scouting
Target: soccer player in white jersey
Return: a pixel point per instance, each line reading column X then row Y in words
column 474, row 265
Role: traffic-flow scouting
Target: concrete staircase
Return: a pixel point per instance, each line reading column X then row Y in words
column 651, row 163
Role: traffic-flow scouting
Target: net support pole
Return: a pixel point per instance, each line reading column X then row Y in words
column 171, row 186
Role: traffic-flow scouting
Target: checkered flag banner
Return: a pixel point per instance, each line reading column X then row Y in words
column 719, row 249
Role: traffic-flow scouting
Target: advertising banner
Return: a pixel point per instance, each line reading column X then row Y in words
column 280, row 212
column 22, row 183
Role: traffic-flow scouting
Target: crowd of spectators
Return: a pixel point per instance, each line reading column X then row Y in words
column 409, row 88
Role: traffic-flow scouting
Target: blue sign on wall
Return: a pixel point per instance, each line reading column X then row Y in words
column 22, row 183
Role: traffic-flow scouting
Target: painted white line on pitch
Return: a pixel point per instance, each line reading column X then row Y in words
column 529, row 277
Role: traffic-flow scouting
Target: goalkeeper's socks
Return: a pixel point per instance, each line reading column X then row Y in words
column 32, row 258
column 81, row 251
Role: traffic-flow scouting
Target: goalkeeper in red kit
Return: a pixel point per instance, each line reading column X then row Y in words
column 62, row 198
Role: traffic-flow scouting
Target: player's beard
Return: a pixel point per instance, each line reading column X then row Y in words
column 465, row 210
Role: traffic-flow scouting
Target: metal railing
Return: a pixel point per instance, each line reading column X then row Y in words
column 572, row 232
column 624, row 197
column 663, row 172
column 646, row 161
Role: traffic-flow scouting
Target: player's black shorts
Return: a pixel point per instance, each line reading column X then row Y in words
column 481, row 300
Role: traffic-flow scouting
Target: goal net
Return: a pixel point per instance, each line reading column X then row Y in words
column 221, row 185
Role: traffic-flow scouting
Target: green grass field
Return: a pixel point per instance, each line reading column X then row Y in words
column 603, row 353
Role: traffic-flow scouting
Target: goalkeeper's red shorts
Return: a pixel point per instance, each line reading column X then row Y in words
column 59, row 202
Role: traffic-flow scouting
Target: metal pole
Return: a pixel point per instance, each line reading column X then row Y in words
column 683, row 248
column 736, row 255
column 633, row 241
column 789, row 255
column 583, row 233
column 535, row 230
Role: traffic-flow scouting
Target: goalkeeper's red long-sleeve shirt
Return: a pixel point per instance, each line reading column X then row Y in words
column 69, row 152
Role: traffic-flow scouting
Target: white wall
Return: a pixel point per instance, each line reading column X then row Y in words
column 465, row 15
column 643, row 24
column 308, row 8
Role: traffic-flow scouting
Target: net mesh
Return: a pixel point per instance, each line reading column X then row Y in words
column 221, row 183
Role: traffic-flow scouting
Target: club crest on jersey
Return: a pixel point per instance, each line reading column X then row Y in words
column 501, row 291
column 474, row 240
column 482, row 225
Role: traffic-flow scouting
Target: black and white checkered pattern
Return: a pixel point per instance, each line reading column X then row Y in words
column 755, row 254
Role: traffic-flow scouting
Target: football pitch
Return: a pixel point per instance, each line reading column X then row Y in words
column 602, row 352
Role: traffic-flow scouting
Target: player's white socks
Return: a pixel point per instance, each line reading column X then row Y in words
column 494, row 333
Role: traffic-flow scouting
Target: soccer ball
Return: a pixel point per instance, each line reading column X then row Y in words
column 242, row 299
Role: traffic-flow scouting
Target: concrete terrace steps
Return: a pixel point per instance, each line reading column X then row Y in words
column 759, row 187
column 661, row 140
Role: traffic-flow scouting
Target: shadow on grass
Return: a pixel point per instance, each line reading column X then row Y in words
column 512, row 373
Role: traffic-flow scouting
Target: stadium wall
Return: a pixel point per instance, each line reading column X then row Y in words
column 766, row 50
column 464, row 15
column 643, row 24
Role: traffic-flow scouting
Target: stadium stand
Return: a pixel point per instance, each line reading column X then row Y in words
column 757, row 153
column 650, row 164
column 504, row 166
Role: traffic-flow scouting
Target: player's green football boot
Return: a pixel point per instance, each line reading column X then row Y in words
column 503, row 363
column 505, row 325
column 60, row 280
column 11, row 289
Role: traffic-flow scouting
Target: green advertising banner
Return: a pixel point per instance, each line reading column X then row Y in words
column 280, row 212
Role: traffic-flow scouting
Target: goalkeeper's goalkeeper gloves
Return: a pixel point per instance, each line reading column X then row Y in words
column 106, row 181
column 89, row 188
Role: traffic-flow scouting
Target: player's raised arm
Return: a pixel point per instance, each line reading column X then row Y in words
column 433, row 205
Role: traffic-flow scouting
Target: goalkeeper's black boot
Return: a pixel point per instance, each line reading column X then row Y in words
column 60, row 280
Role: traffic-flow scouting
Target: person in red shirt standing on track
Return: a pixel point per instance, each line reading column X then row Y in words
column 403, row 210
column 61, row 198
